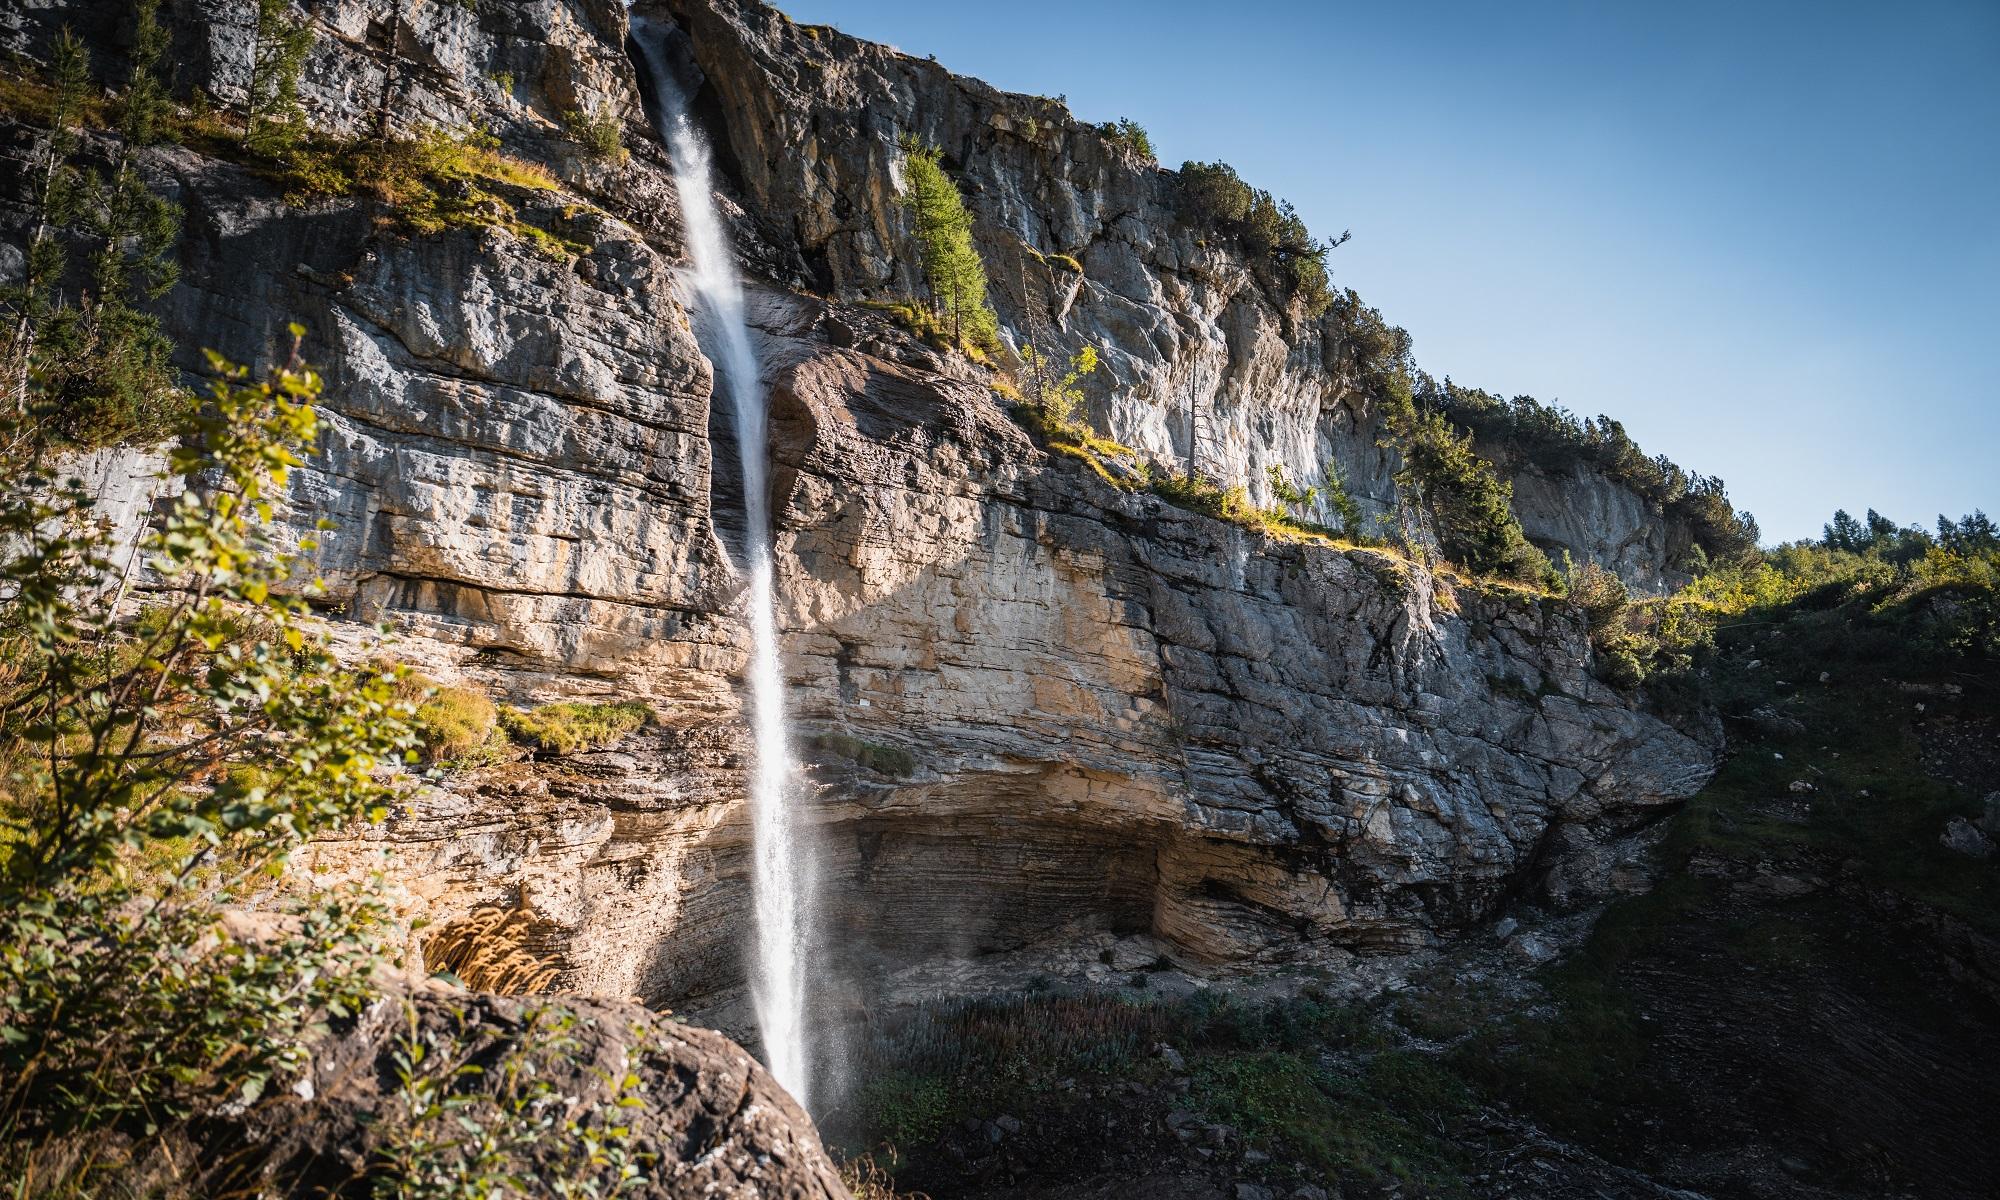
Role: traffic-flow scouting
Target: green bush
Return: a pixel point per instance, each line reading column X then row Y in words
column 459, row 725
column 1470, row 506
column 1288, row 260
column 600, row 133
column 1212, row 195
column 571, row 727
column 155, row 773
column 1129, row 134
column 1553, row 438
column 1060, row 397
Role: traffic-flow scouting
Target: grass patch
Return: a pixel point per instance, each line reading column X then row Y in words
column 1198, row 493
column 460, row 726
column 917, row 319
column 572, row 727
column 430, row 183
column 883, row 760
column 31, row 100
column 992, row 1049
column 1380, row 1125
column 1067, row 262
column 1076, row 440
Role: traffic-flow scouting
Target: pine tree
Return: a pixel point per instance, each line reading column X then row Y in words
column 951, row 264
column 33, row 300
column 277, row 56
column 1844, row 533
column 103, row 363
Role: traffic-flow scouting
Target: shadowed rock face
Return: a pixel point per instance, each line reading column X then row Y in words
column 1117, row 716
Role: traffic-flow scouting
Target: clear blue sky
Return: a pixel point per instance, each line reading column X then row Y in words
column 1765, row 236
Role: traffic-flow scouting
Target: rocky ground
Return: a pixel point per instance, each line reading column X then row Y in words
column 1803, row 1001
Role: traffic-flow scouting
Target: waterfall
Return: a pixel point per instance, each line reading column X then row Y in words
column 780, row 876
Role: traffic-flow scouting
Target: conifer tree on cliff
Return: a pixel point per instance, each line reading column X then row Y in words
column 951, row 264
column 101, row 361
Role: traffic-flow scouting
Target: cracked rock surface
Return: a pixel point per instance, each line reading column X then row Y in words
column 1117, row 717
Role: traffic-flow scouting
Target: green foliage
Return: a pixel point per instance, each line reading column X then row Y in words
column 1469, row 505
column 1129, row 134
column 456, row 725
column 477, row 1113
column 1378, row 1126
column 1624, row 652
column 922, row 321
column 1553, row 438
column 1913, row 597
column 1346, row 509
column 951, row 265
column 99, row 365
column 156, row 771
column 884, row 760
column 1212, row 195
column 274, row 119
column 432, row 182
column 599, row 132
column 1288, row 493
column 1305, row 1078
column 1060, row 398
column 570, row 727
column 1287, row 258
column 1201, row 494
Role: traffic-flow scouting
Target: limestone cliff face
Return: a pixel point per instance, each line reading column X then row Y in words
column 812, row 119
column 1119, row 718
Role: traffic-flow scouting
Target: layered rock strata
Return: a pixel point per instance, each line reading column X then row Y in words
column 1036, row 707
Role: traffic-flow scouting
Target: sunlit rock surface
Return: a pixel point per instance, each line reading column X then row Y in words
column 1105, row 716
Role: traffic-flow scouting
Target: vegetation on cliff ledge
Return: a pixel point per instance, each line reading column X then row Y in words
column 952, row 268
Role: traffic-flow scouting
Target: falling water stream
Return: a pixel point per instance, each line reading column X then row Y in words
column 780, row 878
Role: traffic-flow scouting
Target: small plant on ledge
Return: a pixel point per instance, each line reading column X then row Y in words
column 599, row 132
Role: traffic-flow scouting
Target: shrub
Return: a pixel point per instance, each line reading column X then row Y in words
column 1211, row 195
column 1060, row 398
column 1288, row 260
column 1288, row 493
column 1469, row 505
column 570, row 728
column 1129, row 134
column 155, row 773
column 599, row 132
column 459, row 725
column 1345, row 507
column 1552, row 437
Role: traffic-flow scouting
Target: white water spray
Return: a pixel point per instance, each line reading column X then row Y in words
column 780, row 876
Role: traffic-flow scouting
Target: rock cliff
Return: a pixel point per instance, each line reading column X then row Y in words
column 1036, row 709
column 1193, row 343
